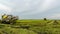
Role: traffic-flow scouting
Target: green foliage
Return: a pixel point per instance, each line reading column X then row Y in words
column 35, row 27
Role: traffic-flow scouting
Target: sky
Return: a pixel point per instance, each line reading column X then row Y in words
column 31, row 9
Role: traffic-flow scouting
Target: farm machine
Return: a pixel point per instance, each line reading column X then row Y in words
column 9, row 19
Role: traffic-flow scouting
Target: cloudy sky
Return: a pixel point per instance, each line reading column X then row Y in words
column 31, row 9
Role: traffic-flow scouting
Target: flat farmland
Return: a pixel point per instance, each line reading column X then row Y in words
column 31, row 27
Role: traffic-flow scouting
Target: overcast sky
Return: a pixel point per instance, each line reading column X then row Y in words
column 31, row 9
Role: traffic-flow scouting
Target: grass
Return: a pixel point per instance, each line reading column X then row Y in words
column 31, row 27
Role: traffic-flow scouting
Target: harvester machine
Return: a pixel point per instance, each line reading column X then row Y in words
column 9, row 19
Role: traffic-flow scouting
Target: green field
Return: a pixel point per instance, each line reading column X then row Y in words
column 31, row 27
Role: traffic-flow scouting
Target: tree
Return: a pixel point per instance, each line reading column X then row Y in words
column 45, row 19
